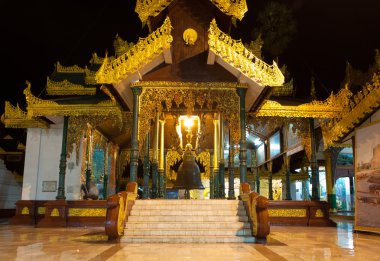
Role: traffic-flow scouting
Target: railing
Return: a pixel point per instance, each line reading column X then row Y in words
column 257, row 209
column 118, row 209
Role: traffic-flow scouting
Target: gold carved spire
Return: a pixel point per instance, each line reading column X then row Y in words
column 121, row 46
column 146, row 8
column 233, row 52
column 136, row 57
column 235, row 8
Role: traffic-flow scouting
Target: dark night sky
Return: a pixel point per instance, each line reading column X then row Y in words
column 36, row 34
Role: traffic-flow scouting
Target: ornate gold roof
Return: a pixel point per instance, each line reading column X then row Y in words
column 332, row 107
column 235, row 8
column 68, row 69
column 136, row 57
column 14, row 117
column 39, row 107
column 233, row 52
column 363, row 104
column 67, row 88
column 146, row 8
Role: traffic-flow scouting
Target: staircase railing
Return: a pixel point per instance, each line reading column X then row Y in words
column 118, row 209
column 257, row 209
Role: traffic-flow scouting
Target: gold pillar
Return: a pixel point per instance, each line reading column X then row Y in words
column 216, row 154
column 221, row 160
column 161, row 163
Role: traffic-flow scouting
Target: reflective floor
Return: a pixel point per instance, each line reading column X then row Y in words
column 284, row 243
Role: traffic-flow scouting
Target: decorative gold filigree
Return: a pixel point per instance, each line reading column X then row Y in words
column 172, row 158
column 68, row 69
column 41, row 210
column 67, row 88
column 285, row 212
column 190, row 36
column 14, row 117
column 189, row 85
column 87, row 212
column 235, row 8
column 136, row 57
column 224, row 100
column 54, row 213
column 205, row 159
column 25, row 211
column 319, row 213
column 146, row 8
column 361, row 105
column 234, row 52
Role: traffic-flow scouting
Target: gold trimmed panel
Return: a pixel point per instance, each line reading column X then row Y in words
column 87, row 212
column 234, row 52
column 189, row 85
column 137, row 56
column 285, row 212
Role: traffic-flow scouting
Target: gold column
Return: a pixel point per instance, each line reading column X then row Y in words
column 222, row 192
column 161, row 164
column 156, row 139
column 216, row 154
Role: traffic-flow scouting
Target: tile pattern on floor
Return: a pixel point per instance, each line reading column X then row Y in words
column 284, row 243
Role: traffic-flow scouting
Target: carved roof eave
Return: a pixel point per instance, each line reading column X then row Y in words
column 235, row 8
column 147, row 8
column 140, row 55
column 366, row 103
column 39, row 107
column 189, row 85
column 67, row 88
column 16, row 118
column 68, row 69
column 332, row 107
column 234, row 53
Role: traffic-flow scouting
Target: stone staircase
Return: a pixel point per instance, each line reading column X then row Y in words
column 188, row 221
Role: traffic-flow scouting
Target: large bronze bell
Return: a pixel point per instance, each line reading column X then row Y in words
column 188, row 175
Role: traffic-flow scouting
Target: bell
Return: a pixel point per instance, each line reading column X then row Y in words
column 189, row 175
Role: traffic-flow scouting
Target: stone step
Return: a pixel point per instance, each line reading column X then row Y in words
column 187, row 232
column 187, row 218
column 188, row 202
column 187, row 212
column 187, row 225
column 188, row 207
column 188, row 239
